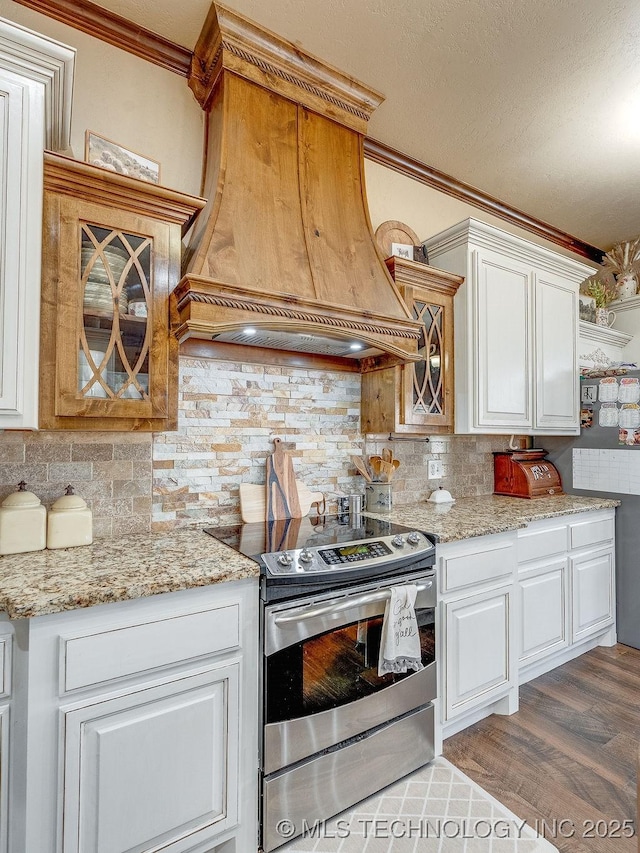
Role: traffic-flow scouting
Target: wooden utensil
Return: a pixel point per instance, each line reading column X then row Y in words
column 281, row 490
column 387, row 455
column 359, row 462
column 386, row 470
column 374, row 462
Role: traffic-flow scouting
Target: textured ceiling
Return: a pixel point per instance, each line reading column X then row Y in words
column 536, row 103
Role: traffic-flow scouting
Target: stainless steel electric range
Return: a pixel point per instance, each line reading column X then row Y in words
column 333, row 730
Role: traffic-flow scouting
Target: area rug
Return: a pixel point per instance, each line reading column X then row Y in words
column 437, row 809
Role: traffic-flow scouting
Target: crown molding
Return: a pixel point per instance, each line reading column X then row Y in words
column 115, row 30
column 475, row 233
column 47, row 62
column 380, row 153
column 230, row 42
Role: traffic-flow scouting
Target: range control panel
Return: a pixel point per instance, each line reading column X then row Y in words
column 369, row 552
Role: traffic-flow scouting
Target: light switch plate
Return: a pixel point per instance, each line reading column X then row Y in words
column 434, row 469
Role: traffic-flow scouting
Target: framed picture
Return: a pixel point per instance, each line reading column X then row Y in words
column 402, row 250
column 106, row 154
column 587, row 308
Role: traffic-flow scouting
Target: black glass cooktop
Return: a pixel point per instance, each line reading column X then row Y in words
column 290, row 534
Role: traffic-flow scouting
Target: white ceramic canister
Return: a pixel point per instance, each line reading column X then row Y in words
column 70, row 522
column 23, row 522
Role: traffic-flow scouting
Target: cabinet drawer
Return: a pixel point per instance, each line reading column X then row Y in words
column 537, row 544
column 104, row 656
column 584, row 533
column 461, row 570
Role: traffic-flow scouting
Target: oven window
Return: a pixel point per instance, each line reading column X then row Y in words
column 334, row 668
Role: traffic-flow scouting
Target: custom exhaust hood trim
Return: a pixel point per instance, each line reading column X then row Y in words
column 285, row 244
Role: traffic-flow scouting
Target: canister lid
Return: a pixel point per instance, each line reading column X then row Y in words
column 22, row 499
column 69, row 501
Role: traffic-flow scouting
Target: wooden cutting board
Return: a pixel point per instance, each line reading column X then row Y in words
column 281, row 489
column 253, row 505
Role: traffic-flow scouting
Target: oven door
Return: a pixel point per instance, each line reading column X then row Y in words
column 321, row 670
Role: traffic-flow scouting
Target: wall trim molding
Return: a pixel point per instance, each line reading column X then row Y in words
column 120, row 32
column 380, row 153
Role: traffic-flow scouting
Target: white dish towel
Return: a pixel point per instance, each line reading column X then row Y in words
column 400, row 641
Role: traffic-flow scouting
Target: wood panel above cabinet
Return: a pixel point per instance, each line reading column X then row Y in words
column 111, row 256
column 417, row 398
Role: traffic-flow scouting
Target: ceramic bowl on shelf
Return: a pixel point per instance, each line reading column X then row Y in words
column 116, row 259
column 98, row 296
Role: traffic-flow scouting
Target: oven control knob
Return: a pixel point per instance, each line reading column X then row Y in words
column 413, row 538
column 398, row 541
column 285, row 559
column 306, row 556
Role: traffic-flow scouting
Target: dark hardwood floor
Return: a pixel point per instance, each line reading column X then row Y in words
column 566, row 761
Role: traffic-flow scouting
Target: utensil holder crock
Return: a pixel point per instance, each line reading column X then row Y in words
column 378, row 497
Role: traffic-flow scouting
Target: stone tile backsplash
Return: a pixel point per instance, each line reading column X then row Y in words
column 229, row 413
column 111, row 471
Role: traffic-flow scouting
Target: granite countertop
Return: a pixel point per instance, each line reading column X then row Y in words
column 485, row 514
column 134, row 566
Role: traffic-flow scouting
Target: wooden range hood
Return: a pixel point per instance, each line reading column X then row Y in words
column 283, row 254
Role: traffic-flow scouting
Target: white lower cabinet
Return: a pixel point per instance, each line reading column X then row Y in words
column 515, row 605
column 139, row 731
column 475, row 629
column 566, row 589
column 154, row 767
column 593, row 593
column 477, row 640
column 543, row 608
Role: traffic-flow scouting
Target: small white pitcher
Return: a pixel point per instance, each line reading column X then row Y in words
column 605, row 317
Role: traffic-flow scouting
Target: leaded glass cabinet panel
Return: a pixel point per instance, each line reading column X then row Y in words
column 417, row 398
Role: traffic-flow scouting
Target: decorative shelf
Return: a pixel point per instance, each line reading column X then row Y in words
column 603, row 334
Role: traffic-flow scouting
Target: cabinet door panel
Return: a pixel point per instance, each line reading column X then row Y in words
column 556, row 354
column 593, row 593
column 477, row 642
column 426, row 392
column 503, row 367
column 21, row 131
column 543, row 613
column 146, row 770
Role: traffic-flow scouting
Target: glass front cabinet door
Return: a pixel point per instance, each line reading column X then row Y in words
column 111, row 256
column 417, row 398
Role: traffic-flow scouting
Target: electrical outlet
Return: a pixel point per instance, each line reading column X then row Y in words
column 434, row 469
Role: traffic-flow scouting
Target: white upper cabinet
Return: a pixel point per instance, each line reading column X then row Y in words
column 516, row 331
column 36, row 80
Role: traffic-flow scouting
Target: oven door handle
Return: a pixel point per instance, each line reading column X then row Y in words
column 347, row 604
